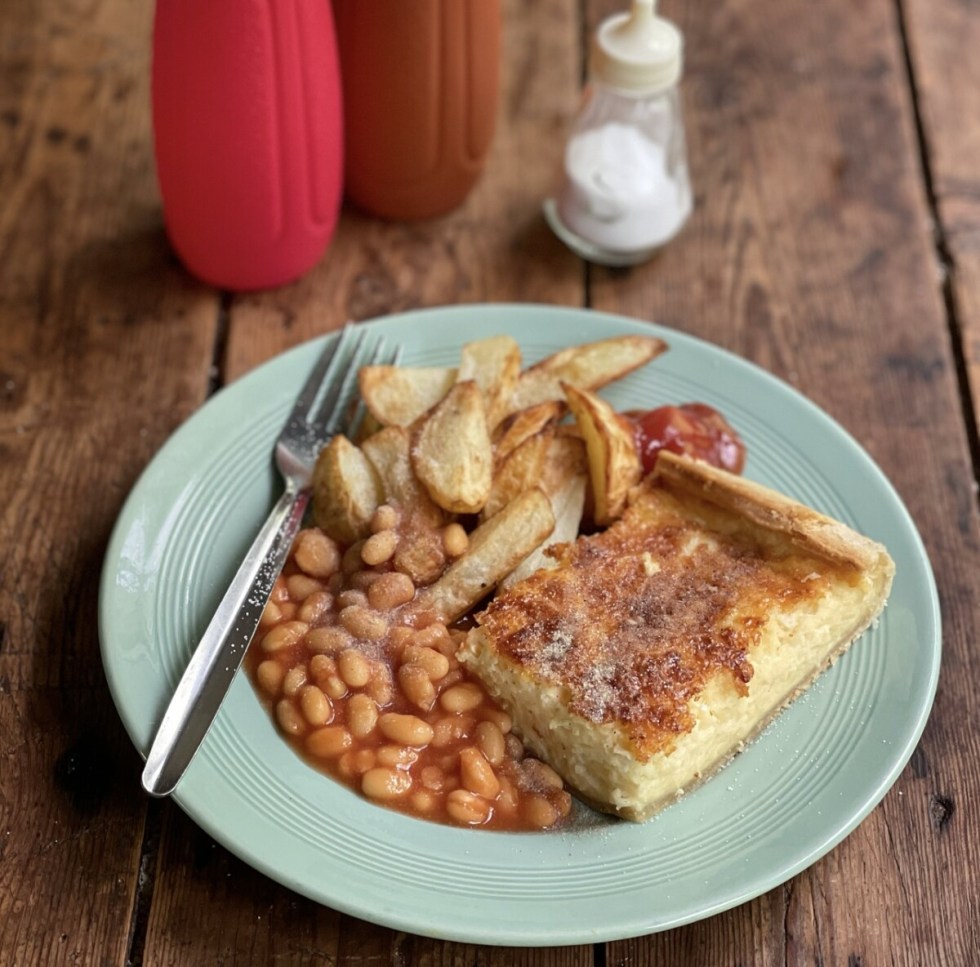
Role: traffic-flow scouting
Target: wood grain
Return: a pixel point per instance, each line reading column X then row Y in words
column 104, row 348
column 940, row 35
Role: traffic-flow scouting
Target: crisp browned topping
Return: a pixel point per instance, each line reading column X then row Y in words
column 637, row 619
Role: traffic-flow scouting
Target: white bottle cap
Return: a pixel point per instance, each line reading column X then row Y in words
column 637, row 51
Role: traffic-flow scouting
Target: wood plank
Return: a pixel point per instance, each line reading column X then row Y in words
column 811, row 246
column 494, row 248
column 104, row 348
column 940, row 35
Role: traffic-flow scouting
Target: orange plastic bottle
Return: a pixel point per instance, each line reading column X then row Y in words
column 420, row 82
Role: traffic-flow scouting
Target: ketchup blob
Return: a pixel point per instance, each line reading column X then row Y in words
column 695, row 429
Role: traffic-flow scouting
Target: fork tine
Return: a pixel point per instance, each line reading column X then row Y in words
column 325, row 369
column 336, row 392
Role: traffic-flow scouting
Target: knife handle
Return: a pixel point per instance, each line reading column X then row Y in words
column 219, row 653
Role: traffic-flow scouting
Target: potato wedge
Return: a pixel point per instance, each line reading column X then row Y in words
column 614, row 464
column 567, row 504
column 496, row 548
column 523, row 425
column 346, row 491
column 564, row 458
column 399, row 395
column 388, row 451
column 451, row 451
column 495, row 365
column 589, row 366
column 522, row 470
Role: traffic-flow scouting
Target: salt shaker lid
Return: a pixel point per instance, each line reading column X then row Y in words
column 638, row 51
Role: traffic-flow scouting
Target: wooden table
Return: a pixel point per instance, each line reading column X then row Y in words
column 836, row 242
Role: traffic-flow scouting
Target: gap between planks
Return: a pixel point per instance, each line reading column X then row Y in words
column 944, row 256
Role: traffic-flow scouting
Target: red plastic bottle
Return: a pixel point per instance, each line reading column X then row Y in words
column 248, row 129
column 420, row 100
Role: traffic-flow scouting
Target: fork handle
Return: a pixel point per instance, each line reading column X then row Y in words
column 219, row 654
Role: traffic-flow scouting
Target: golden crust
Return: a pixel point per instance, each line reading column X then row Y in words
column 769, row 509
column 657, row 648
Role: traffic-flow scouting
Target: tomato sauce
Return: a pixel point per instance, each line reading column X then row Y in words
column 695, row 429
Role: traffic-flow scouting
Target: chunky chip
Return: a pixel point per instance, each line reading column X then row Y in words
column 399, row 395
column 451, row 451
column 614, row 464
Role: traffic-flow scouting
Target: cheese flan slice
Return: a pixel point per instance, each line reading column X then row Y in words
column 653, row 651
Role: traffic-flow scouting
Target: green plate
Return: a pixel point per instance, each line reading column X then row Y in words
column 792, row 795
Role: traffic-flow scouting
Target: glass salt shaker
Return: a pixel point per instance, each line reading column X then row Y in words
column 625, row 190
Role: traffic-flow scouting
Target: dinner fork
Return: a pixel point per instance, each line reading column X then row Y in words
column 317, row 415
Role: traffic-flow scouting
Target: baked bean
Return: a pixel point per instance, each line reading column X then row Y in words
column 435, row 663
column 433, row 778
column 362, row 715
column 334, row 686
column 315, row 607
column 269, row 675
column 406, row 729
column 508, row 798
column 294, row 680
column 362, row 580
column 539, row 812
column 499, row 718
column 452, row 678
column 379, row 547
column 352, row 596
column 364, row 623
column 383, row 783
column 315, row 706
column 271, row 615
column 354, row 668
column 399, row 637
column 452, row 728
column 391, row 590
column 328, row 639
column 288, row 610
column 455, row 540
column 351, row 561
column 384, row 518
column 491, row 742
column 417, row 686
column 563, row 803
column 515, row 748
column 316, row 553
column 477, row 774
column 397, row 755
column 289, row 718
column 423, row 802
column 467, row 808
column 432, row 635
column 279, row 592
column 301, row 586
column 329, row 742
column 321, row 668
column 540, row 775
column 380, row 687
column 462, row 698
column 357, row 761
column 284, row 635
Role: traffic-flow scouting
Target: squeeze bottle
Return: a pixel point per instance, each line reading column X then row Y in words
column 248, row 136
column 420, row 81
